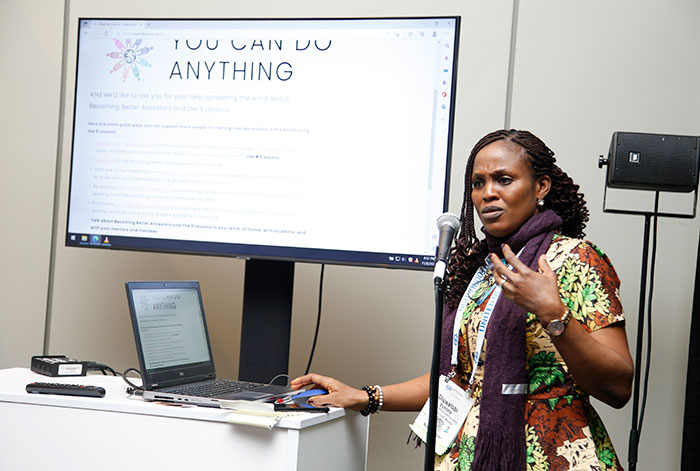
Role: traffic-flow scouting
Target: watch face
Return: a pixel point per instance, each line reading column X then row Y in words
column 556, row 327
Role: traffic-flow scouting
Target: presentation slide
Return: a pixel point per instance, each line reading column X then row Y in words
column 170, row 327
column 324, row 134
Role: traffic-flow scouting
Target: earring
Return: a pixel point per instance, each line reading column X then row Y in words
column 540, row 203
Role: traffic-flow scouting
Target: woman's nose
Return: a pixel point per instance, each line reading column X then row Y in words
column 489, row 191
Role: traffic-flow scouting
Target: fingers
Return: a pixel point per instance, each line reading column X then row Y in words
column 324, row 400
column 312, row 378
column 312, row 401
column 534, row 291
column 516, row 266
column 300, row 382
column 503, row 273
column 516, row 277
column 513, row 259
column 499, row 269
column 544, row 267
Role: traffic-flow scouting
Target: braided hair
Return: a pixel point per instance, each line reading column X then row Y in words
column 563, row 198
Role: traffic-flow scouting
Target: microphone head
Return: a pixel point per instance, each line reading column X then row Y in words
column 448, row 219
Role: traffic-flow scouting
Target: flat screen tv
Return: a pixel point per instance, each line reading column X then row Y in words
column 323, row 140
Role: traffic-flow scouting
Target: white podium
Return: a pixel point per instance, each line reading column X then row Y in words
column 50, row 432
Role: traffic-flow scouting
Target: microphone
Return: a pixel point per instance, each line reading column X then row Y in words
column 448, row 224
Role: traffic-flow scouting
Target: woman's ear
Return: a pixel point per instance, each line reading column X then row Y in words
column 542, row 187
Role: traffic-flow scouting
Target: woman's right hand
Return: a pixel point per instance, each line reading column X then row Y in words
column 339, row 394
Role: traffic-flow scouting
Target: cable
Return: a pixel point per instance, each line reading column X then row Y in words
column 289, row 379
column 133, row 389
column 318, row 318
column 94, row 366
column 652, row 268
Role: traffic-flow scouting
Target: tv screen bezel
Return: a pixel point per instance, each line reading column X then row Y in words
column 263, row 252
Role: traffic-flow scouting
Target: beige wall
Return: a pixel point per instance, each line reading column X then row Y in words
column 582, row 71
column 30, row 89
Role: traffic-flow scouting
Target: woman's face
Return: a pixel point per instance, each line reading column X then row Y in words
column 504, row 188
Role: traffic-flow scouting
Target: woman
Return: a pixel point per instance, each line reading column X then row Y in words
column 530, row 276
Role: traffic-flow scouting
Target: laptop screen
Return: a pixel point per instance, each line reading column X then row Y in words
column 169, row 327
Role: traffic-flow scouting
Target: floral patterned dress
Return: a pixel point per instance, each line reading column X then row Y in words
column 563, row 432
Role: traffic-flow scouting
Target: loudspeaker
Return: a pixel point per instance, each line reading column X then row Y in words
column 656, row 162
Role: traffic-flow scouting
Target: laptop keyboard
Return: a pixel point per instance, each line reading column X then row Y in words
column 212, row 388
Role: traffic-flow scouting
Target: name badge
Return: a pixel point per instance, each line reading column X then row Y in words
column 453, row 406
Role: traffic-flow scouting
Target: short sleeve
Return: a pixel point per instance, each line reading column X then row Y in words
column 588, row 283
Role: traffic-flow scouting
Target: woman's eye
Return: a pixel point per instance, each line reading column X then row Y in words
column 505, row 180
column 477, row 184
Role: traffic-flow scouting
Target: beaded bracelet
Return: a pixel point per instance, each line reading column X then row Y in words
column 378, row 389
column 376, row 399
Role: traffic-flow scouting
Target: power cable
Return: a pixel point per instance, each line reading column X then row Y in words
column 318, row 318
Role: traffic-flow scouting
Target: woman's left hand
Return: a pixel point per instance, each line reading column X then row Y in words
column 535, row 292
column 599, row 361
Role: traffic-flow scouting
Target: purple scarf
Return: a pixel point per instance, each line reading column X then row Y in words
column 500, row 441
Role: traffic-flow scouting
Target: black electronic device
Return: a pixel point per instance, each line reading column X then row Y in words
column 174, row 351
column 66, row 389
column 58, row 365
column 656, row 162
column 294, row 407
column 315, row 139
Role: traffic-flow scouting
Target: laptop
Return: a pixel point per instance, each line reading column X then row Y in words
column 173, row 348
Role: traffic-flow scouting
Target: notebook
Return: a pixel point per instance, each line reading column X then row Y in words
column 174, row 351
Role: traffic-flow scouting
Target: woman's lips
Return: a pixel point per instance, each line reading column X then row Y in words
column 491, row 213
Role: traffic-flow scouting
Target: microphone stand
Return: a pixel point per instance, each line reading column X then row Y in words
column 434, row 377
column 448, row 224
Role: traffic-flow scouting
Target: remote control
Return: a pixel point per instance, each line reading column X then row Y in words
column 66, row 389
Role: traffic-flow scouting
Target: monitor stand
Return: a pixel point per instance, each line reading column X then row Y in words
column 267, row 318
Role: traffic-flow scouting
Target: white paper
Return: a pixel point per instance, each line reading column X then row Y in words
column 453, row 406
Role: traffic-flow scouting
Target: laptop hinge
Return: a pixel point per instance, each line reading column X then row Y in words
column 188, row 380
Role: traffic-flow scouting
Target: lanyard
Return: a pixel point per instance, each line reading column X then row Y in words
column 477, row 280
column 481, row 273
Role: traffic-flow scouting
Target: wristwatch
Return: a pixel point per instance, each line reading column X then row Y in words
column 557, row 327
